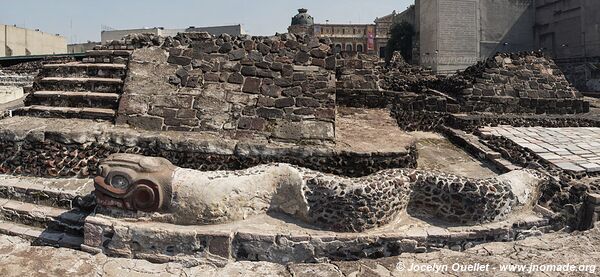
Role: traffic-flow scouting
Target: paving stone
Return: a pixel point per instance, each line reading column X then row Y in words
column 572, row 149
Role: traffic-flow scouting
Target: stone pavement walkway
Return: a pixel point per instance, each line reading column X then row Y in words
column 577, row 254
column 571, row 149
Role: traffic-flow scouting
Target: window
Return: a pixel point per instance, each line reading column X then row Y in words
column 343, row 31
column 359, row 48
column 338, row 48
column 349, row 47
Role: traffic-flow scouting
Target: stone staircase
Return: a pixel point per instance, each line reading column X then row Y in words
column 40, row 214
column 89, row 89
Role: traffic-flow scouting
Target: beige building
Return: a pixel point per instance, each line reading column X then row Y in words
column 16, row 41
column 362, row 38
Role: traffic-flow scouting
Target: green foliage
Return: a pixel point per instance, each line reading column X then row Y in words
column 401, row 39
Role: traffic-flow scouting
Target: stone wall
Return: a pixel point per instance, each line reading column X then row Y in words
column 279, row 87
column 77, row 154
column 584, row 74
column 522, row 82
column 506, row 83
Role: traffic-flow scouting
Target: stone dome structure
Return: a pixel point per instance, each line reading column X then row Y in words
column 303, row 18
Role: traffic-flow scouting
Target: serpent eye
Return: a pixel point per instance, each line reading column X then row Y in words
column 120, row 182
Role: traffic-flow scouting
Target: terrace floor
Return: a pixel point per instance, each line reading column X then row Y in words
column 571, row 149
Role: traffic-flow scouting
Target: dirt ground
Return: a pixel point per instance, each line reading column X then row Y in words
column 437, row 153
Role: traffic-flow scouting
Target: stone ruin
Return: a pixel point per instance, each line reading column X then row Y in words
column 278, row 149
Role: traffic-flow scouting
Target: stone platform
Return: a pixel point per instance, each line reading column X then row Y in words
column 72, row 147
column 571, row 149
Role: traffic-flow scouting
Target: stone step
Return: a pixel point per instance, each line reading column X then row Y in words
column 52, row 192
column 94, row 84
column 56, row 219
column 114, row 81
column 120, row 53
column 66, row 112
column 76, row 99
column 76, row 69
column 40, row 236
column 475, row 147
column 87, row 65
column 107, row 56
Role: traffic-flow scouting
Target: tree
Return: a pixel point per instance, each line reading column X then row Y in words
column 401, row 39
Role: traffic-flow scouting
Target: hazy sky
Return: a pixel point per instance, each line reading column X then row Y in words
column 82, row 20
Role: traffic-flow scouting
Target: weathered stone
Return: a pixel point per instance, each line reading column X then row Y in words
column 330, row 63
column 235, row 78
column 284, row 102
column 237, row 54
column 283, row 82
column 226, row 48
column 211, row 77
column 307, row 102
column 318, row 53
column 180, row 60
column 146, row 122
column 252, row 85
column 301, row 57
column 265, row 101
column 271, row 90
column 249, row 71
column 252, row 123
column 269, row 113
column 292, row 92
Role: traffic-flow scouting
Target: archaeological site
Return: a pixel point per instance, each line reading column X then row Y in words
column 196, row 149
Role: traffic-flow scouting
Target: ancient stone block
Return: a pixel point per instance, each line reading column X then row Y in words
column 186, row 113
column 249, row 45
column 301, row 57
column 299, row 76
column 304, row 130
column 146, row 122
column 269, row 113
column 173, row 101
column 211, row 77
column 330, row 63
column 237, row 54
column 249, row 71
column 307, row 102
column 235, row 78
column 226, row 47
column 283, row 82
column 292, row 92
column 284, row 102
column 265, row 101
column 252, row 85
column 180, row 60
column 252, row 123
column 265, row 73
column 270, row 90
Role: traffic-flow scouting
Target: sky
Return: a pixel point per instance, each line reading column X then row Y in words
column 82, row 20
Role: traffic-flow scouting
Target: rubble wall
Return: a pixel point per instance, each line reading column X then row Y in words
column 280, row 87
column 77, row 154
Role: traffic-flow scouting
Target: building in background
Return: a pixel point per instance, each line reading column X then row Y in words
column 569, row 31
column 233, row 30
column 16, row 41
column 454, row 34
column 362, row 38
column 81, row 47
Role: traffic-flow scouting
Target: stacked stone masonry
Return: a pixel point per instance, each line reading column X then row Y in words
column 279, row 87
column 77, row 154
column 506, row 83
